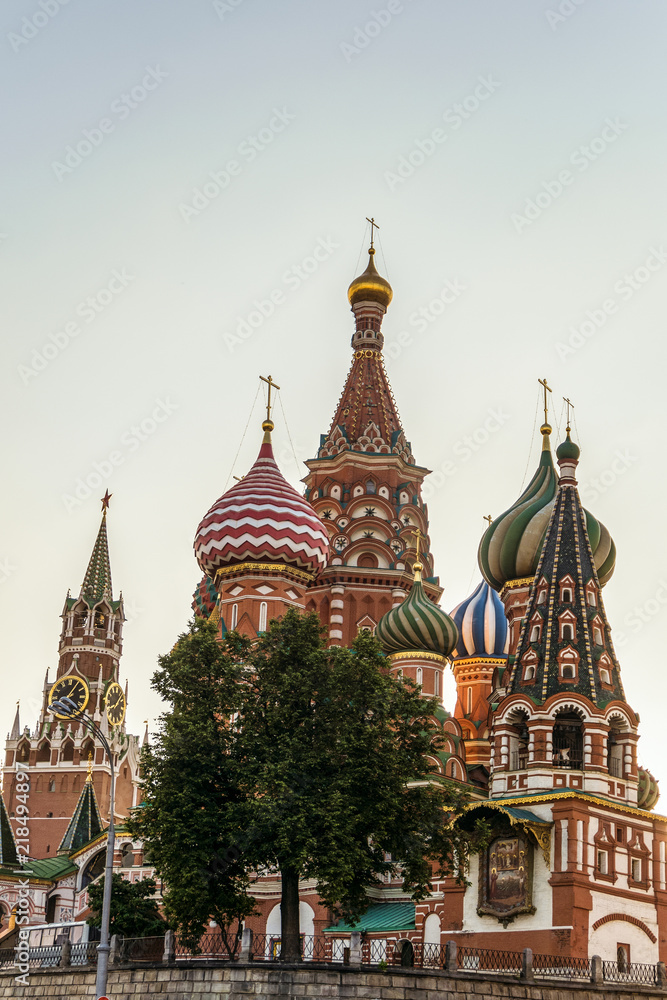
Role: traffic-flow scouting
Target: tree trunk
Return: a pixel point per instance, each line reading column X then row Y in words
column 290, row 945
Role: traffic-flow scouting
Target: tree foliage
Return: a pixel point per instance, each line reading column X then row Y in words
column 133, row 912
column 285, row 754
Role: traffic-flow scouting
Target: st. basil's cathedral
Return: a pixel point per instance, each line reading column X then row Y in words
column 541, row 734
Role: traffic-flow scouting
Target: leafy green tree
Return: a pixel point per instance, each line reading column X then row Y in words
column 133, row 912
column 309, row 760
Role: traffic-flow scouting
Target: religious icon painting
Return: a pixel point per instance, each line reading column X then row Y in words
column 506, row 876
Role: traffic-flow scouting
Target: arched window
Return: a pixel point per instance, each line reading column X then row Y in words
column 436, row 682
column 567, row 632
column 235, row 616
column 568, row 671
column 100, row 620
column 419, row 675
column 52, row 785
column 597, row 635
column 535, row 633
column 469, row 701
column 529, row 672
column 542, row 595
column 567, row 596
column 263, row 611
column 67, row 751
column 568, row 741
column 44, row 752
column 23, row 753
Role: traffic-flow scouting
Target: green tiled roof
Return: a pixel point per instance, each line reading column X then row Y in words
column 381, row 917
column 50, row 868
column 8, row 852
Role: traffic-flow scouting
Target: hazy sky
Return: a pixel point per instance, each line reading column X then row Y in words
column 172, row 167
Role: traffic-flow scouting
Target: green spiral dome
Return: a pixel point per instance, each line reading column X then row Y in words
column 510, row 547
column 647, row 789
column 417, row 625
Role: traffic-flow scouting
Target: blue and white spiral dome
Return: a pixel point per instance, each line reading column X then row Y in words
column 482, row 625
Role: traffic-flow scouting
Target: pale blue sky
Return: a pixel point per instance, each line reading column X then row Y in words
column 333, row 124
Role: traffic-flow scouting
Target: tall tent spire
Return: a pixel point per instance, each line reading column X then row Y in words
column 97, row 581
column 86, row 821
column 16, row 728
column 565, row 642
column 8, row 852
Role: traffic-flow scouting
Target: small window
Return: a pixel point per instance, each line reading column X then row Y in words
column 535, row 633
column 566, row 596
column 605, row 676
column 623, row 957
column 419, row 675
column 567, row 633
column 529, row 672
column 542, row 596
column 620, row 834
column 592, row 598
column 52, row 785
column 235, row 615
column 469, row 709
column 597, row 636
column 603, row 862
column 263, row 611
column 636, row 869
column 567, row 671
column 436, row 682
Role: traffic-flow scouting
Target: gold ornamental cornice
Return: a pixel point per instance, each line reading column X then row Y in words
column 582, row 797
column 418, row 654
column 253, row 567
column 539, row 828
column 524, row 581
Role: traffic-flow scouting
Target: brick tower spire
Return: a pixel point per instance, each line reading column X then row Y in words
column 365, row 485
column 57, row 752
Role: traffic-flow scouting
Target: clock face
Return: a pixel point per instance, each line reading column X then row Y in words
column 70, row 687
column 115, row 704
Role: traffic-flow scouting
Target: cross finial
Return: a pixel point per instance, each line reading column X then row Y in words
column 487, row 517
column 105, row 501
column 89, row 776
column 417, row 535
column 272, row 385
column 374, row 226
column 570, row 406
column 238, row 478
column 547, row 388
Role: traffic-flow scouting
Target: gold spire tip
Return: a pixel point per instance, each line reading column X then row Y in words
column 89, row 776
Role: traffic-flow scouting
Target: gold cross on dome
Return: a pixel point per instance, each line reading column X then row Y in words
column 272, row 385
column 570, row 406
column 417, row 535
column 374, row 226
column 547, row 388
column 487, row 517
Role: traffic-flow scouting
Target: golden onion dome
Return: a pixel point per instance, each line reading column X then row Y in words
column 370, row 286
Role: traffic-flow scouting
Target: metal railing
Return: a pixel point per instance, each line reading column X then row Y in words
column 327, row 949
column 630, row 972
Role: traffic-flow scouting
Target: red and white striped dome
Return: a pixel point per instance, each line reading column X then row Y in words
column 262, row 519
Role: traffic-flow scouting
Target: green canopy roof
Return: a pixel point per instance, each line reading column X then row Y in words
column 379, row 918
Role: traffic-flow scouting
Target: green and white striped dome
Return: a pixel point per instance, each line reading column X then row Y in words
column 417, row 625
column 510, row 547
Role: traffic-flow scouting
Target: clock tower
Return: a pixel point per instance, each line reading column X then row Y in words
column 57, row 752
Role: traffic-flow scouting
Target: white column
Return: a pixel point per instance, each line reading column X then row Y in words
column 563, row 845
column 580, row 844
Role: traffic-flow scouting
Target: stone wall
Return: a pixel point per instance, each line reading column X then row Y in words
column 195, row 980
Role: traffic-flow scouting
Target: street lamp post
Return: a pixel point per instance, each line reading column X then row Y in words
column 66, row 706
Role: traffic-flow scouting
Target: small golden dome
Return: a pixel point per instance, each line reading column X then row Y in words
column 370, row 286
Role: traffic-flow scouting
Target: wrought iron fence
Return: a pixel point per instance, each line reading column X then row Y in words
column 7, row 957
column 376, row 950
column 146, row 949
column 629, row 972
column 562, row 966
column 489, row 960
column 85, row 953
column 210, row 946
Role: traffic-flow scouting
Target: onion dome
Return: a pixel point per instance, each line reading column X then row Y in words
column 481, row 624
column 647, row 789
column 568, row 450
column 204, row 598
column 262, row 519
column 511, row 545
column 370, row 286
column 417, row 625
